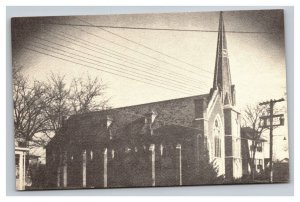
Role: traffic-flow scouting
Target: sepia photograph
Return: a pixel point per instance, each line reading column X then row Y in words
column 150, row 100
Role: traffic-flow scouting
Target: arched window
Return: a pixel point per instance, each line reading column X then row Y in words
column 217, row 138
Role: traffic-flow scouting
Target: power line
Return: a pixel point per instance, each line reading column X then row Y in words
column 80, row 29
column 147, row 73
column 176, row 85
column 160, row 29
column 149, row 48
column 173, row 73
column 118, row 69
column 109, row 72
column 112, row 52
column 133, row 50
column 160, row 73
column 142, row 45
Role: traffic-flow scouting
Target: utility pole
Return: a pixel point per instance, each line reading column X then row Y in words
column 265, row 119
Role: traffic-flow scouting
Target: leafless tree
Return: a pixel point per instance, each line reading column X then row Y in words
column 40, row 108
column 29, row 102
column 59, row 94
column 251, row 118
column 81, row 96
column 85, row 94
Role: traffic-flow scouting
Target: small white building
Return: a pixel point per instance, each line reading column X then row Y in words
column 21, row 154
column 248, row 150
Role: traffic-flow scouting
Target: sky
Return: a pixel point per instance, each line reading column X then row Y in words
column 257, row 60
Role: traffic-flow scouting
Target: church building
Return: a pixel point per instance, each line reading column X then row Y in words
column 168, row 143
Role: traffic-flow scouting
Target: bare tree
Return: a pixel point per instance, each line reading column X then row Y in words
column 81, row 96
column 29, row 102
column 87, row 95
column 59, row 95
column 251, row 118
column 39, row 108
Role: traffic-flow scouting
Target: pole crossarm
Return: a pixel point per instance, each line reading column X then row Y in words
column 271, row 104
column 274, row 116
column 271, row 101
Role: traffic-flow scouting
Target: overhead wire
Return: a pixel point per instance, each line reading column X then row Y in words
column 144, row 46
column 164, row 79
column 100, row 37
column 203, row 76
column 133, row 50
column 118, row 69
column 162, row 29
column 76, row 40
column 106, row 71
column 160, row 74
column 171, row 57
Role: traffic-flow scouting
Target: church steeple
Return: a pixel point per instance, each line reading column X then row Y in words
column 222, row 77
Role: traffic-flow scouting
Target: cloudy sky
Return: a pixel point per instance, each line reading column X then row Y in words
column 152, row 65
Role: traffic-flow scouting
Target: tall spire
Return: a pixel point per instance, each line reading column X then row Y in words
column 222, row 77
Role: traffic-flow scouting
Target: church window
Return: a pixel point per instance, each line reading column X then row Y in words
column 161, row 150
column 112, row 154
column 217, row 139
column 91, row 155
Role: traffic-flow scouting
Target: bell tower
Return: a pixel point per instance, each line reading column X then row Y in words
column 222, row 76
column 222, row 84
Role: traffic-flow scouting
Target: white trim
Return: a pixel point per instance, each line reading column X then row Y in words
column 105, row 167
column 234, row 157
column 22, row 176
column 212, row 103
column 221, row 136
column 214, row 158
column 180, row 164
column 232, row 108
column 152, row 149
column 21, row 149
column 199, row 119
column 65, row 170
column 84, row 168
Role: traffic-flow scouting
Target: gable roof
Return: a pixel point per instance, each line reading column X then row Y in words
column 247, row 133
column 179, row 112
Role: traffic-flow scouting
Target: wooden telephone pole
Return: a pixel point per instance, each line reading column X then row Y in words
column 270, row 125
